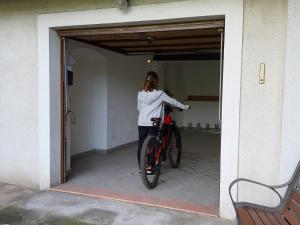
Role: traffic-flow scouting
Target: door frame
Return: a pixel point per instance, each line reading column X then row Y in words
column 49, row 77
column 70, row 33
column 62, row 113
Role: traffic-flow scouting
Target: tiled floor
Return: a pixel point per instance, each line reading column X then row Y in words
column 196, row 182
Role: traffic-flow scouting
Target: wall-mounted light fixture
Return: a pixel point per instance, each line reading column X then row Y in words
column 150, row 59
column 122, row 4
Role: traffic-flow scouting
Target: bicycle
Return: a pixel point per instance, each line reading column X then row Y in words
column 165, row 145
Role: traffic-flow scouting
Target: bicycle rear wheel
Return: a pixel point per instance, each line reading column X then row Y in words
column 150, row 171
column 174, row 148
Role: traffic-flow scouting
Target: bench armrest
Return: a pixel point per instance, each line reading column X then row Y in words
column 271, row 187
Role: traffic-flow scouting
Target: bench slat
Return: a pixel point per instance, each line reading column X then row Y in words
column 272, row 218
column 296, row 197
column 254, row 216
column 263, row 216
column 290, row 217
column 244, row 217
column 280, row 218
column 287, row 213
column 294, row 207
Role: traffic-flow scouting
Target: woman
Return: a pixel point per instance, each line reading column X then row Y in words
column 150, row 100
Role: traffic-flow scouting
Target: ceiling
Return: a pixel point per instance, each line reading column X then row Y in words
column 177, row 38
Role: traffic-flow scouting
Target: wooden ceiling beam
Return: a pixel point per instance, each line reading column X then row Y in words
column 183, row 33
column 148, row 52
column 185, row 57
column 130, row 41
column 194, row 41
column 170, row 48
column 206, row 46
column 158, row 36
column 183, row 38
column 142, row 29
column 171, row 45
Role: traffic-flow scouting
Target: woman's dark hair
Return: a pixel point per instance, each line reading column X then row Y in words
column 151, row 81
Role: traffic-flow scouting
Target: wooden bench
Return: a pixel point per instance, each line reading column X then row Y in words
column 287, row 212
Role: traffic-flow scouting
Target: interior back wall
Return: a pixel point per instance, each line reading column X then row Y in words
column 125, row 77
column 184, row 78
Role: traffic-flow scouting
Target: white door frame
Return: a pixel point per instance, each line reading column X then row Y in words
column 49, row 77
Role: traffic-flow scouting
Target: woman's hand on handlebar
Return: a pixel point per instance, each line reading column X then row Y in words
column 188, row 107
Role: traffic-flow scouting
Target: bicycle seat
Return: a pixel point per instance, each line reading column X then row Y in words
column 156, row 121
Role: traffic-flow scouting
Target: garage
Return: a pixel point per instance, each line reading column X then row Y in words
column 103, row 68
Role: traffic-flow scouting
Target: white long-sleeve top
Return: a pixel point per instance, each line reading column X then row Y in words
column 150, row 105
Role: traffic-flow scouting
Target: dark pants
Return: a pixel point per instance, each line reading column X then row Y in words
column 143, row 133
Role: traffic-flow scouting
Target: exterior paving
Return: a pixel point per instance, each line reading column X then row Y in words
column 23, row 206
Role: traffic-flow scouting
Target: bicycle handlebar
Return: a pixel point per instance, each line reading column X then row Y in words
column 177, row 109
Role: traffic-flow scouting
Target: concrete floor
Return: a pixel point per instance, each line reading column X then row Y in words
column 196, row 181
column 21, row 206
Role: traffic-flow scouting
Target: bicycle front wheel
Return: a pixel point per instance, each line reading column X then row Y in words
column 150, row 169
column 174, row 148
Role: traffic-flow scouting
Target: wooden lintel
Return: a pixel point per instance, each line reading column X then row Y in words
column 143, row 29
column 144, row 43
column 134, row 40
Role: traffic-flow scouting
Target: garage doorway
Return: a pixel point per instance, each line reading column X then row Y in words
column 175, row 51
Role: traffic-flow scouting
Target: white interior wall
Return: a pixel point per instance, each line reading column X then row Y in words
column 125, row 77
column 89, row 98
column 160, row 69
column 206, row 112
column 290, row 151
column 185, row 78
column 104, row 97
column 202, row 77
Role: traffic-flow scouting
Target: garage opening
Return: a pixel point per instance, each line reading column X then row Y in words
column 102, row 71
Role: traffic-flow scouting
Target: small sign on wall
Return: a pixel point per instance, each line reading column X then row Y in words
column 262, row 73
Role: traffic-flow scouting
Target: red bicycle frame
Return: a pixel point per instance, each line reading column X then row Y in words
column 165, row 137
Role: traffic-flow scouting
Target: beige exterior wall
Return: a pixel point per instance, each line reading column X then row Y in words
column 19, row 94
column 261, row 104
column 290, row 154
column 52, row 6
